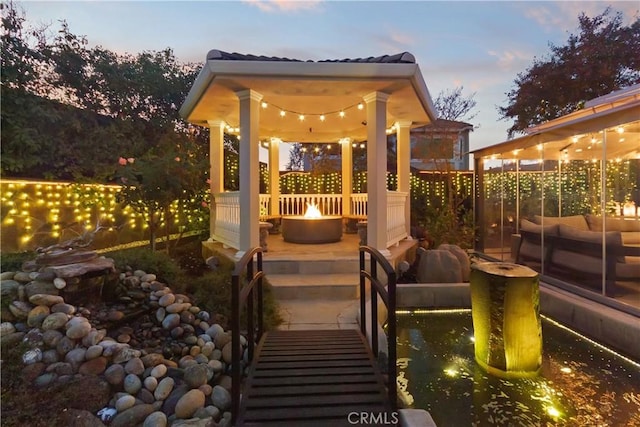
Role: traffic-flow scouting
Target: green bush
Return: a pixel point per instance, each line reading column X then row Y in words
column 212, row 292
column 13, row 261
column 159, row 263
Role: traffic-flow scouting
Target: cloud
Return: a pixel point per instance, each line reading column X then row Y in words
column 564, row 15
column 284, row 5
column 509, row 60
column 394, row 41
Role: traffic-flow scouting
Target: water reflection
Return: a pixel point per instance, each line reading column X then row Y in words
column 580, row 383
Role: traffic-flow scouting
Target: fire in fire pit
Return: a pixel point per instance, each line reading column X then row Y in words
column 311, row 228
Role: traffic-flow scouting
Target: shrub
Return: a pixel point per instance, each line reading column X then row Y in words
column 159, row 263
column 212, row 292
column 13, row 261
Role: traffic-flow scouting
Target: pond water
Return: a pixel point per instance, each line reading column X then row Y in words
column 581, row 383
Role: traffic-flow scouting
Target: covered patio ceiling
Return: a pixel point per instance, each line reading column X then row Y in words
column 311, row 89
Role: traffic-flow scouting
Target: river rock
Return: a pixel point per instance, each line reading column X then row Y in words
column 167, row 300
column 40, row 287
column 134, row 366
column 159, row 371
column 94, row 351
column 150, row 383
column 221, row 398
column 52, row 337
column 9, row 289
column 155, row 419
column 132, row 416
column 197, row 375
column 45, row 299
column 79, row 330
column 59, row 283
column 189, row 403
column 63, row 308
column 132, row 384
column 124, row 354
column 125, row 402
column 37, row 315
column 115, row 374
column 54, row 321
column 30, row 357
column 6, row 328
column 94, row 366
column 20, row 309
column 171, row 321
column 164, row 388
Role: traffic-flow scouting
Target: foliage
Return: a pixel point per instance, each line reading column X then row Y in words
column 603, row 57
column 451, row 105
column 213, row 293
column 13, row 261
column 171, row 172
column 91, row 103
column 159, row 263
column 445, row 223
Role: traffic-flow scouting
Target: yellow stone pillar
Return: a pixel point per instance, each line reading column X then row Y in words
column 505, row 302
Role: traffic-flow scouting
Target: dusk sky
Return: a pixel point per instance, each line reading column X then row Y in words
column 479, row 45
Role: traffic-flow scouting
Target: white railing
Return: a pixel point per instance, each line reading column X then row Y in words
column 359, row 205
column 296, row 204
column 227, row 224
column 396, row 229
column 265, row 206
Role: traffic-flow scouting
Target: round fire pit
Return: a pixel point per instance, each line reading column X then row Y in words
column 298, row 229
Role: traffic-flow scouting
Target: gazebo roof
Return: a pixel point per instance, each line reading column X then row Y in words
column 311, row 89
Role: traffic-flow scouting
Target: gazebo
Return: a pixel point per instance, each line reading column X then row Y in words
column 275, row 100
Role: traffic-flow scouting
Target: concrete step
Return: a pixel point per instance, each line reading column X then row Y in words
column 340, row 286
column 331, row 266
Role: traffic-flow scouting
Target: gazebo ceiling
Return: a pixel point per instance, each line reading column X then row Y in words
column 311, row 89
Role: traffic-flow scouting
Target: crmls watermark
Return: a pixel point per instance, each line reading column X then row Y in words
column 377, row 418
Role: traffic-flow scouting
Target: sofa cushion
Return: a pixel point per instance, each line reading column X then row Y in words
column 629, row 270
column 530, row 249
column 611, row 238
column 576, row 221
column 631, row 238
column 612, row 224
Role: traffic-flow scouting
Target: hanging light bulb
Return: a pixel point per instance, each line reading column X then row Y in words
column 282, row 113
column 264, row 104
column 322, row 117
column 301, row 117
column 341, row 114
column 360, row 106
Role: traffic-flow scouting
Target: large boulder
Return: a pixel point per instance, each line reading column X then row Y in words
column 463, row 258
column 438, row 266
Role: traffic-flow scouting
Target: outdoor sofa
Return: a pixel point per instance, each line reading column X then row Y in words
column 573, row 248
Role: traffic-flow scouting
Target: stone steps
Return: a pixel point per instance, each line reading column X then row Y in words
column 334, row 286
column 311, row 266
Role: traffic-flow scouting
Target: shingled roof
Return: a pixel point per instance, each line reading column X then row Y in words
column 399, row 58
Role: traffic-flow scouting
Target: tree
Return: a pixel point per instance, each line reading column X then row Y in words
column 296, row 158
column 451, row 105
column 602, row 58
column 166, row 178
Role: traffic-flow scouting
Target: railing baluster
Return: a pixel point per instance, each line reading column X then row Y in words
column 388, row 297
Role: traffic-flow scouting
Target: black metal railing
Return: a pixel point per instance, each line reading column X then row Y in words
column 240, row 297
column 388, row 296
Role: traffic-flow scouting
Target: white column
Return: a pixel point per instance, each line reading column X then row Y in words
column 403, row 151
column 216, row 166
column 347, row 175
column 249, row 170
column 274, row 175
column 377, row 171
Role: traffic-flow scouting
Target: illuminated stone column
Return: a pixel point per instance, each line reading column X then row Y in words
column 274, row 175
column 505, row 303
column 216, row 167
column 377, row 171
column 403, row 129
column 249, row 170
column 347, row 175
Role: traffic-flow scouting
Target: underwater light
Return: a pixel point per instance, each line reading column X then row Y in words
column 451, row 372
column 553, row 412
